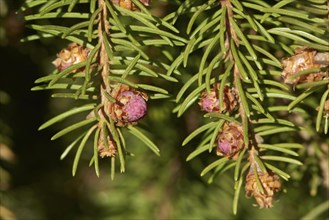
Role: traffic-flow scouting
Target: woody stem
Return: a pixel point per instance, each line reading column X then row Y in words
column 103, row 27
column 232, row 38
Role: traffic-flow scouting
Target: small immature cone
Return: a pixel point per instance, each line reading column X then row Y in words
column 71, row 55
column 130, row 106
column 209, row 101
column 230, row 140
column 270, row 183
column 304, row 59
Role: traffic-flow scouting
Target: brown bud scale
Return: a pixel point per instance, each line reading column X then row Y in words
column 71, row 55
column 304, row 59
column 270, row 183
column 103, row 151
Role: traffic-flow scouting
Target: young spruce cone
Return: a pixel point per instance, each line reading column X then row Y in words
column 209, row 101
column 71, row 55
column 304, row 59
column 130, row 106
column 230, row 140
column 270, row 183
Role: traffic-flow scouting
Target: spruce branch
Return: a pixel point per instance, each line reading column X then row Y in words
column 237, row 43
column 255, row 69
column 107, row 68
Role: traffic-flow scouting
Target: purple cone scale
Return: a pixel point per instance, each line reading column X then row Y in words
column 230, row 140
column 224, row 147
column 209, row 100
column 130, row 106
column 134, row 106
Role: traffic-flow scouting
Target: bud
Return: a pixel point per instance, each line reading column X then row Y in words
column 230, row 140
column 71, row 55
column 209, row 101
column 130, row 106
column 103, row 151
column 270, row 183
column 304, row 59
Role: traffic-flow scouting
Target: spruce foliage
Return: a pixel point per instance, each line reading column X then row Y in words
column 256, row 70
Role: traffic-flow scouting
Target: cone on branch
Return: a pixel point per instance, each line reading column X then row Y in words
column 305, row 59
column 73, row 54
column 230, row 140
column 209, row 101
column 270, row 183
column 130, row 106
column 109, row 150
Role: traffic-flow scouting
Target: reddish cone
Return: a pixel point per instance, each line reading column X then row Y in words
column 130, row 106
column 230, row 140
column 209, row 101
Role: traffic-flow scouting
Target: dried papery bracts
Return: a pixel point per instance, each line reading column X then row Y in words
column 305, row 59
column 270, row 184
column 71, row 55
column 108, row 149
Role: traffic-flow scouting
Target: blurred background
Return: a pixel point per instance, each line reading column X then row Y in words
column 36, row 185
